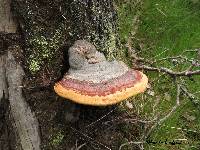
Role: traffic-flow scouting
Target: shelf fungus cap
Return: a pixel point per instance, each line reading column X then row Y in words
column 101, row 84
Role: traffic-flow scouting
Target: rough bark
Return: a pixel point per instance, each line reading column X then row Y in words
column 24, row 126
column 3, row 98
column 23, row 123
column 95, row 20
column 51, row 27
column 22, row 119
column 7, row 23
column 3, row 85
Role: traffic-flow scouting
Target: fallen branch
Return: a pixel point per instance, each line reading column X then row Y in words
column 159, row 122
column 21, row 119
column 192, row 97
column 186, row 72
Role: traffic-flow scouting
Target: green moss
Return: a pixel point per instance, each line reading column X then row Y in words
column 166, row 29
column 43, row 49
column 34, row 65
column 127, row 11
column 110, row 42
column 57, row 139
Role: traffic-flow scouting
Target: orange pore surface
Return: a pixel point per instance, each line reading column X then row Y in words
column 103, row 93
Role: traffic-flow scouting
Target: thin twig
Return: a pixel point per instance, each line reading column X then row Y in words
column 90, row 138
column 166, row 116
column 135, row 120
column 80, row 146
column 131, row 142
column 191, row 50
column 175, row 57
column 191, row 97
column 140, row 59
column 101, row 118
column 187, row 72
column 141, row 121
column 169, row 71
column 161, row 12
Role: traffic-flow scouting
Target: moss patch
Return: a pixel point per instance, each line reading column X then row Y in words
column 168, row 29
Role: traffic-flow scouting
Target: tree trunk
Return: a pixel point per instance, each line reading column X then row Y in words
column 7, row 23
column 47, row 29
column 51, row 27
column 22, row 123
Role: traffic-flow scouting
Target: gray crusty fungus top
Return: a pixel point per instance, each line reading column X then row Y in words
column 99, row 72
column 87, row 64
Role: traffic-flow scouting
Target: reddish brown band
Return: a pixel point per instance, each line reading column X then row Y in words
column 126, row 80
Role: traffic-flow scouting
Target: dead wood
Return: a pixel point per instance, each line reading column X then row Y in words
column 22, row 123
column 23, row 120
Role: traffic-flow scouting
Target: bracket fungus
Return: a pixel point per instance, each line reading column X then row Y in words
column 91, row 80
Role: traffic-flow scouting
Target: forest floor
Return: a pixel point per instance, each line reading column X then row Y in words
column 167, row 32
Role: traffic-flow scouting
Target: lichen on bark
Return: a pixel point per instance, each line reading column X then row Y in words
column 44, row 48
column 49, row 25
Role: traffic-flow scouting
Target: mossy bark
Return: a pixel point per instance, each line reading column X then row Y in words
column 51, row 27
column 18, row 124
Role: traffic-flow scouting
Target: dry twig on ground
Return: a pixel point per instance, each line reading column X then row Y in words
column 140, row 63
column 160, row 121
column 187, row 72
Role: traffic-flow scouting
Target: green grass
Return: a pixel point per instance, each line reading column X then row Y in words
column 171, row 25
column 167, row 28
